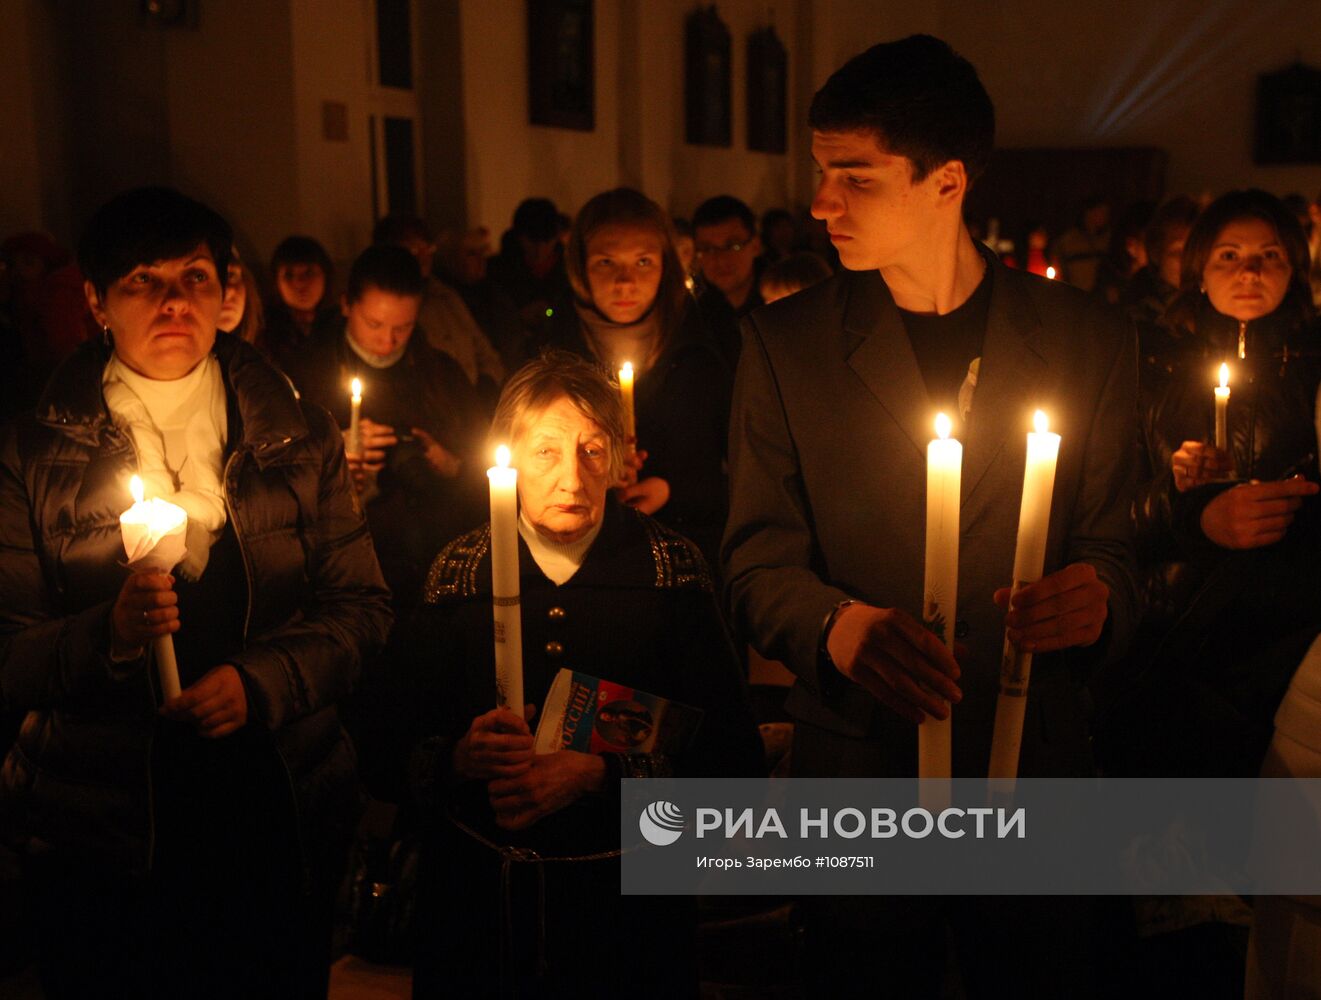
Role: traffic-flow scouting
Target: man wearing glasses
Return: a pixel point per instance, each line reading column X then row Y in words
column 727, row 247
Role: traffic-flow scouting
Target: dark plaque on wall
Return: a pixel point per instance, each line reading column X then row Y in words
column 560, row 63
column 1289, row 116
column 768, row 74
column 706, row 79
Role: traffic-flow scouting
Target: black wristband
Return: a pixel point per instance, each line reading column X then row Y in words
column 826, row 626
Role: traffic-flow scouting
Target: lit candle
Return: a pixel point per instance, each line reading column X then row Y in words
column 504, row 583
column 1050, row 273
column 1043, row 449
column 626, row 394
column 1222, row 409
column 153, row 535
column 355, row 412
column 940, row 588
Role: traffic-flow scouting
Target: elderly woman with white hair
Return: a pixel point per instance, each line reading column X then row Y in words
column 606, row 591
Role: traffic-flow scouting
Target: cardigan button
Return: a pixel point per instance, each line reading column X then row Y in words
column 556, row 614
column 554, row 649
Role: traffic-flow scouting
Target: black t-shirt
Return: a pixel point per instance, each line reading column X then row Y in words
column 945, row 346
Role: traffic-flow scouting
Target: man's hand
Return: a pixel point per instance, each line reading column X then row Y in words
column 1254, row 514
column 901, row 663
column 147, row 607
column 1196, row 463
column 647, row 495
column 496, row 745
column 216, row 705
column 446, row 464
column 552, row 782
column 1067, row 608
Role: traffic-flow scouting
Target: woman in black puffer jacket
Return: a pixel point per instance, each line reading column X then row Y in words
column 189, row 845
column 1228, row 536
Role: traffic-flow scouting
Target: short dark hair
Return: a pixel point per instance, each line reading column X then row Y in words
column 538, row 219
column 145, row 225
column 797, row 271
column 399, row 228
column 387, row 267
column 1180, row 212
column 301, row 250
column 918, row 97
column 722, row 208
column 1232, row 207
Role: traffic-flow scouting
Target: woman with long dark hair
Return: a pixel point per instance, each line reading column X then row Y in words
column 1225, row 528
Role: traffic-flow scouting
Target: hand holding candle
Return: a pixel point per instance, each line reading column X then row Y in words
column 1222, row 409
column 626, row 396
column 505, row 584
column 941, row 584
column 355, row 415
column 1029, row 561
column 153, row 534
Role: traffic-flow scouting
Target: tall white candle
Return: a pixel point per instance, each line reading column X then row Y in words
column 504, row 583
column 355, row 414
column 1222, row 409
column 940, row 587
column 626, row 395
column 153, row 533
column 1043, row 449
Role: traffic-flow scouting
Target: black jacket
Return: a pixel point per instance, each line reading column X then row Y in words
column 640, row 612
column 77, row 778
column 1270, row 428
column 1223, row 630
column 828, row 438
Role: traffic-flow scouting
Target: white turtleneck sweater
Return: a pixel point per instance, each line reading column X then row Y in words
column 558, row 560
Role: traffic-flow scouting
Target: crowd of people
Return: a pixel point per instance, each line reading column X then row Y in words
column 332, row 616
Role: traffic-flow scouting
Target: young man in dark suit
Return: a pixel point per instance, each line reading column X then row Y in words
column 835, row 400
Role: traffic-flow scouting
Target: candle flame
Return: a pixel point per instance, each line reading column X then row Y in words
column 135, row 487
column 356, row 386
column 1050, row 273
column 1224, row 376
column 502, row 457
column 1040, row 422
column 626, row 370
column 942, row 426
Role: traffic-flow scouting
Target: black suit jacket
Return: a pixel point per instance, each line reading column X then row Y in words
column 828, row 438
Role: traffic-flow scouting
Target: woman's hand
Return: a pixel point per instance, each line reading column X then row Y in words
column 375, row 439
column 647, row 495
column 146, row 608
column 1196, row 463
column 496, row 745
column 552, row 782
column 1251, row 515
column 445, row 462
column 217, row 705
